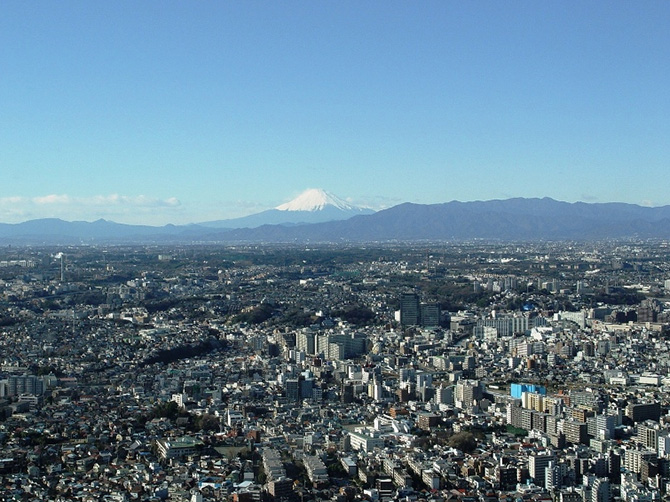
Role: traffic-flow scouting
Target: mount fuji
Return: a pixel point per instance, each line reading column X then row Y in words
column 314, row 205
column 315, row 199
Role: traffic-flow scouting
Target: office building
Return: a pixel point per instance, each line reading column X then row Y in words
column 409, row 309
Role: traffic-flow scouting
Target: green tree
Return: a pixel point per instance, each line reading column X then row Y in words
column 207, row 422
column 464, row 441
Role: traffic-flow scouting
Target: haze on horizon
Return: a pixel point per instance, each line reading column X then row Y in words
column 178, row 112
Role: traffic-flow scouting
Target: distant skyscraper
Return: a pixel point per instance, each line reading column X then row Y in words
column 409, row 309
column 430, row 315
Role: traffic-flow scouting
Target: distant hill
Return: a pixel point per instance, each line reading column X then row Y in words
column 511, row 219
column 56, row 231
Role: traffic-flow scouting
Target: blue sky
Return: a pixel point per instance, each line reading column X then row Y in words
column 177, row 112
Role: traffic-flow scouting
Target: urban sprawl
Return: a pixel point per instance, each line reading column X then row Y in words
column 475, row 371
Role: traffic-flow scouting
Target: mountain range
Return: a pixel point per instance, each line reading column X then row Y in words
column 320, row 217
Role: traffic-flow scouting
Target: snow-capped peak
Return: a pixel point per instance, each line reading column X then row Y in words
column 314, row 199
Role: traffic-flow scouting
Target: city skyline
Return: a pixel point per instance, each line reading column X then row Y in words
column 161, row 113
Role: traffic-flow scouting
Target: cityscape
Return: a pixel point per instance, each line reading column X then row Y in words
column 344, row 251
column 472, row 371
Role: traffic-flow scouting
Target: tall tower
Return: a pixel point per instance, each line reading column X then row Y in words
column 409, row 309
column 61, row 256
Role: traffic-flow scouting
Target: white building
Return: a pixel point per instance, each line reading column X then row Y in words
column 365, row 439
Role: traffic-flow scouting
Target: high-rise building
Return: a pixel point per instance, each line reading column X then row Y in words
column 552, row 476
column 648, row 311
column 340, row 346
column 409, row 309
column 634, row 457
column 537, row 466
column 639, row 412
column 292, row 387
column 647, row 434
column 430, row 315
column 375, row 390
column 601, row 491
column 614, row 467
column 444, row 395
column 509, row 325
column 25, row 384
column 606, row 424
column 663, row 445
column 467, row 392
column 576, row 432
column 304, row 341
